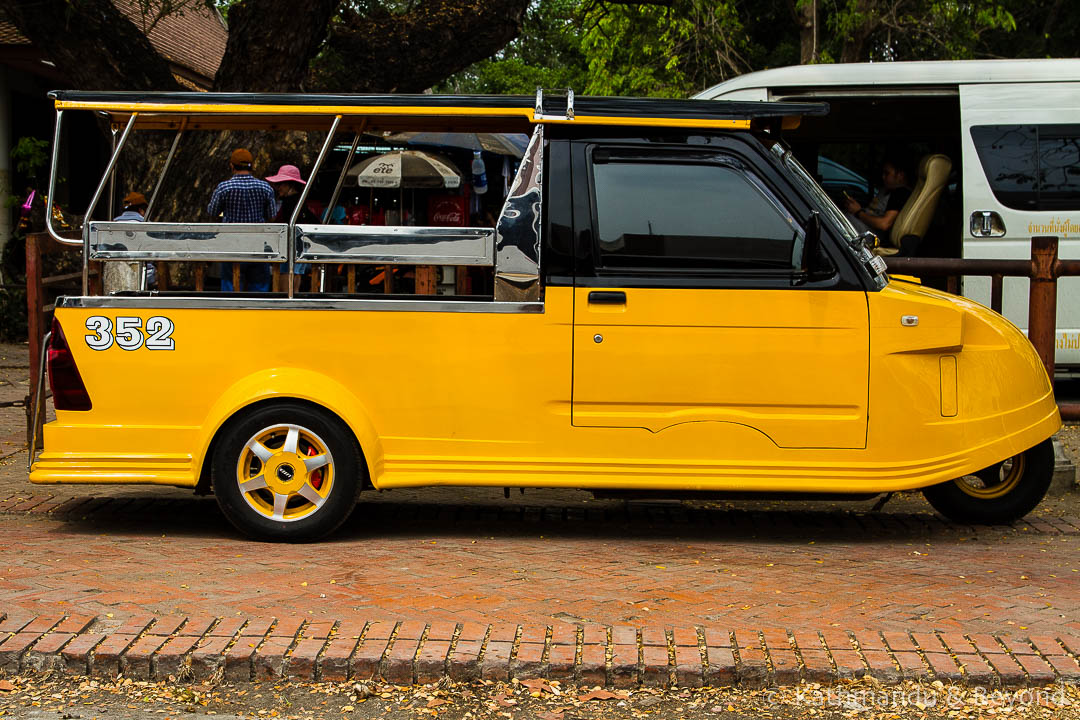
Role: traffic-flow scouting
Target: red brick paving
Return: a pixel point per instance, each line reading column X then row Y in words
column 410, row 591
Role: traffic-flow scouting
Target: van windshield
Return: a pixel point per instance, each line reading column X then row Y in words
column 824, row 202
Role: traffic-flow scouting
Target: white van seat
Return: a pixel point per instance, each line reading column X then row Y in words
column 914, row 219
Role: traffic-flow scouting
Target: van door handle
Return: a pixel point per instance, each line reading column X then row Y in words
column 986, row 223
column 607, row 297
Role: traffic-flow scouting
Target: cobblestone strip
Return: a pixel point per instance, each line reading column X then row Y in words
column 238, row 649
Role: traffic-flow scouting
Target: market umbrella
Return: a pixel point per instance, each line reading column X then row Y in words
column 513, row 144
column 404, row 169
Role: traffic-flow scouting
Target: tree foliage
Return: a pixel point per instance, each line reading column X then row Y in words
column 678, row 47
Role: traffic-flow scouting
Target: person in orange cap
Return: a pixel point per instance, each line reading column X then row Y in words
column 243, row 198
column 134, row 208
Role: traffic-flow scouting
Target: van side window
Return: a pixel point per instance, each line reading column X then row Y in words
column 690, row 217
column 1031, row 167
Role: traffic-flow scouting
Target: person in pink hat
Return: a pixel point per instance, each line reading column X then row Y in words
column 288, row 184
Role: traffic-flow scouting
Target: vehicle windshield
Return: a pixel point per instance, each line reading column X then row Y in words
column 808, row 183
column 875, row 265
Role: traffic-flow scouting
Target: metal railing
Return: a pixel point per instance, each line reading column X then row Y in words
column 1043, row 270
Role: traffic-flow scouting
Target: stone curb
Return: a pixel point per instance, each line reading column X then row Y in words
column 408, row 652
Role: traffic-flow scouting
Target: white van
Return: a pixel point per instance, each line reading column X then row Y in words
column 1009, row 128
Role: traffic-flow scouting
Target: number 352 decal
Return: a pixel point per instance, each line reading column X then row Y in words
column 129, row 333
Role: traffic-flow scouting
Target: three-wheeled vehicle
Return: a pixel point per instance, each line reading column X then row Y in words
column 676, row 307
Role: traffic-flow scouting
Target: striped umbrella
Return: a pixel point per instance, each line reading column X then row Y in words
column 405, row 169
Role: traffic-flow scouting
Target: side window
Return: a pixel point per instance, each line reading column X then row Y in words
column 690, row 217
column 1059, row 167
column 1031, row 167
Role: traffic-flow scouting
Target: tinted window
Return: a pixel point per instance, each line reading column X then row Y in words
column 1031, row 167
column 690, row 217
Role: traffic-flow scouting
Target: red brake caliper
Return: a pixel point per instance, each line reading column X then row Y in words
column 316, row 477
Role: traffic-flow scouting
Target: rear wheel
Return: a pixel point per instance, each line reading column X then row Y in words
column 286, row 471
column 1001, row 493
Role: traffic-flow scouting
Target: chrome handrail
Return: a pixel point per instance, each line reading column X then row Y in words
column 291, row 239
column 37, row 400
column 97, row 197
column 52, row 185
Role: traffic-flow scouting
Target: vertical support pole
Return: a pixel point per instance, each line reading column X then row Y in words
column 1042, row 301
column 388, row 279
column 200, row 277
column 35, row 318
column 291, row 240
column 162, row 275
column 112, row 182
column 350, row 279
column 952, row 285
column 425, row 279
column 996, row 285
column 236, row 277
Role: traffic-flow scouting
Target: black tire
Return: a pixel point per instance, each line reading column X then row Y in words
column 320, row 437
column 999, row 494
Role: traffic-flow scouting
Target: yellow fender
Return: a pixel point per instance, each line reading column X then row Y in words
column 285, row 383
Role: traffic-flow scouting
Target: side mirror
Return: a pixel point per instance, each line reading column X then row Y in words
column 812, row 244
column 869, row 239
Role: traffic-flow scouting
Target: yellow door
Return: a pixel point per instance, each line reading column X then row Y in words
column 789, row 363
column 693, row 303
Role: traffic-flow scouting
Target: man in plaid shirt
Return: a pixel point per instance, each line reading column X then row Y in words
column 244, row 198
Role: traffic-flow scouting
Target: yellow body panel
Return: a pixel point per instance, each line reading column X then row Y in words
column 826, row 392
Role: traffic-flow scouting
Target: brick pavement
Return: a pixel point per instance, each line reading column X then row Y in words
column 543, row 585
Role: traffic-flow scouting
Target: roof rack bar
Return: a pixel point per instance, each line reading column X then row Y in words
column 568, row 113
column 165, row 170
column 290, row 241
column 97, row 197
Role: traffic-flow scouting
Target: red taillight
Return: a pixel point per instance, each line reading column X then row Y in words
column 68, row 390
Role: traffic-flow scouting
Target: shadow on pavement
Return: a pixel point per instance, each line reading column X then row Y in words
column 562, row 514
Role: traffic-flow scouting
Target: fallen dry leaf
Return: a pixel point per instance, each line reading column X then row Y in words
column 597, row 695
column 538, row 685
column 5, row 686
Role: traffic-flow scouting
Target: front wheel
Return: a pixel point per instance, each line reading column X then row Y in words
column 1001, row 493
column 286, row 471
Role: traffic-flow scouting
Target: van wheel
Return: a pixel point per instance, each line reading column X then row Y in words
column 286, row 472
column 1001, row 493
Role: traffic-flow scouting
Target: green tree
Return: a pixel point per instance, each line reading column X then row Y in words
column 548, row 53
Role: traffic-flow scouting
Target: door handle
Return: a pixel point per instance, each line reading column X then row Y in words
column 986, row 223
column 607, row 297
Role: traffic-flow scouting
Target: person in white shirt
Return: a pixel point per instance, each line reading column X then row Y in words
column 134, row 211
column 134, row 208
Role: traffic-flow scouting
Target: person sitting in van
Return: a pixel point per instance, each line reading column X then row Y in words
column 881, row 212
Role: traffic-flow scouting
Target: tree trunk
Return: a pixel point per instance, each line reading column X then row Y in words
column 806, row 14
column 271, row 43
column 270, row 48
column 385, row 52
column 92, row 44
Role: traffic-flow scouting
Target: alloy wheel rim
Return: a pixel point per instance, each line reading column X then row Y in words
column 992, row 485
column 285, row 472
